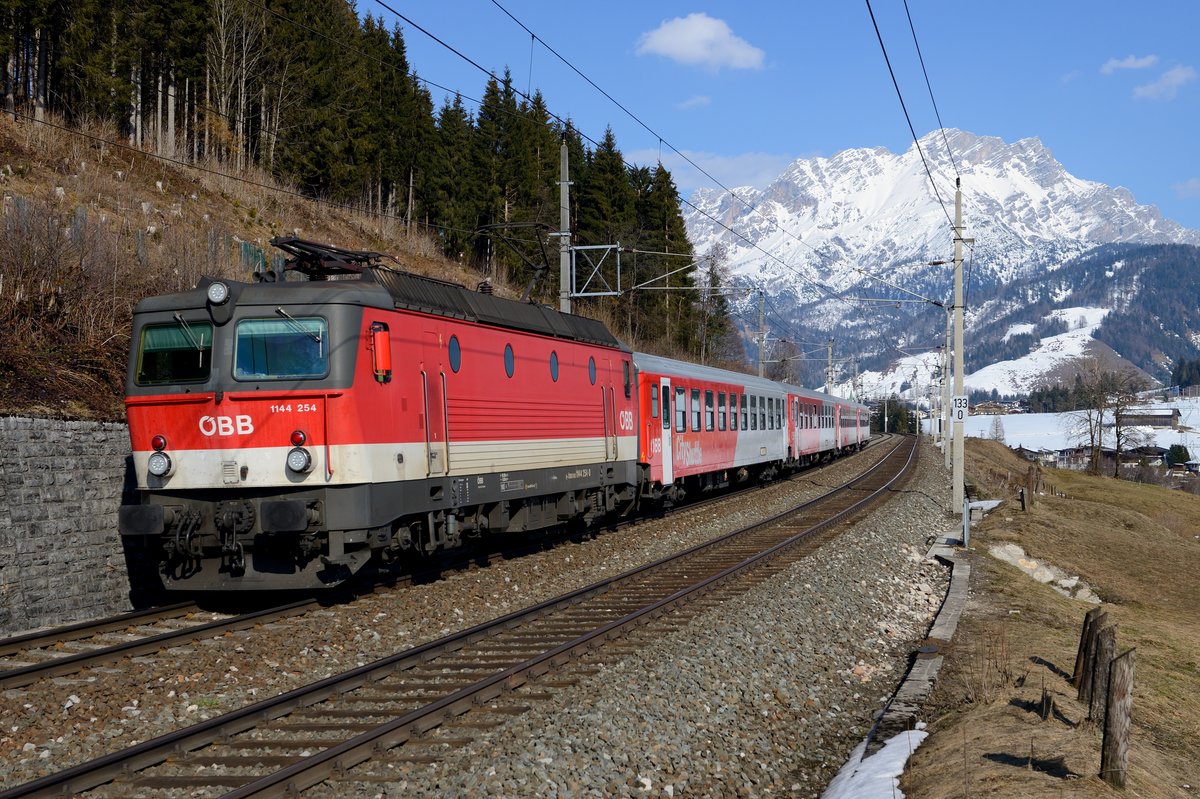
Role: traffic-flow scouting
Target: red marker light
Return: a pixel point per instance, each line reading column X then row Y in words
column 159, row 443
column 298, row 438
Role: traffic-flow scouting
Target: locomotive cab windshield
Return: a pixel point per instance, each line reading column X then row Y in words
column 286, row 348
column 177, row 352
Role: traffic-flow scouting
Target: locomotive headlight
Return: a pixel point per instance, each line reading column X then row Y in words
column 159, row 464
column 299, row 461
column 217, row 293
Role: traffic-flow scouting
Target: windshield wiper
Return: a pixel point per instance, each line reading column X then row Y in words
column 301, row 328
column 187, row 331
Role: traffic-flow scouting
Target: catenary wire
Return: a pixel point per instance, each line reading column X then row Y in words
column 904, row 108
column 929, row 86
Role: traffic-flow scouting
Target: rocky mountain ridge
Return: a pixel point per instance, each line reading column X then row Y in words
column 866, row 213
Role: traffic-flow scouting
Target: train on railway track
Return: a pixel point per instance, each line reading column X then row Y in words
column 285, row 432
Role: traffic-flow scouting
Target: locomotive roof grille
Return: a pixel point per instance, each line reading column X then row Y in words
column 427, row 295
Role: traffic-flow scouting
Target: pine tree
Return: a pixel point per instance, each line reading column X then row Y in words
column 452, row 186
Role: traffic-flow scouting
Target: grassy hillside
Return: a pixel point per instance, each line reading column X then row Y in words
column 1138, row 547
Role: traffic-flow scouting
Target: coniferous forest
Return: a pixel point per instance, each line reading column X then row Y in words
column 326, row 103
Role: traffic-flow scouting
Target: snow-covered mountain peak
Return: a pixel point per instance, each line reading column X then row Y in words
column 865, row 220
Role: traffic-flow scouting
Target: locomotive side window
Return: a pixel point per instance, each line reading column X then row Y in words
column 721, row 411
column 510, row 360
column 178, row 352
column 592, row 370
column 455, row 351
column 680, row 410
column 277, row 349
column 695, row 410
column 554, row 366
column 654, row 402
column 708, row 411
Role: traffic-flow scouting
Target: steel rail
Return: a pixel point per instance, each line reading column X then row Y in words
column 86, row 629
column 70, row 664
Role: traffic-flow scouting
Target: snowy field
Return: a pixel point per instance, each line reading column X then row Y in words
column 1054, row 430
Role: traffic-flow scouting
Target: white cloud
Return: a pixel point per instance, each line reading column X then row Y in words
column 1128, row 62
column 1188, row 189
column 742, row 169
column 700, row 40
column 1168, row 84
column 699, row 101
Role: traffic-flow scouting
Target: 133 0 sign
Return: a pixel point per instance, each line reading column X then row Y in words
column 959, row 408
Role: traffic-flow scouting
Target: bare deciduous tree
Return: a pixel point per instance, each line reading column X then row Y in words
column 1125, row 388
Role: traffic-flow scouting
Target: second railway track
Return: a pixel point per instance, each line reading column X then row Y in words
column 304, row 736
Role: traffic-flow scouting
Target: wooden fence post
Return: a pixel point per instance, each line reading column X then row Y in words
column 1089, row 658
column 1114, row 752
column 1106, row 649
column 1088, row 621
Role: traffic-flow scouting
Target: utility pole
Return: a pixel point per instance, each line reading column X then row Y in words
column 408, row 208
column 829, row 369
column 946, row 436
column 960, row 399
column 564, row 230
column 762, row 331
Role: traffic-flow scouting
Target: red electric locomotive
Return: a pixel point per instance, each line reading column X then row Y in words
column 283, row 431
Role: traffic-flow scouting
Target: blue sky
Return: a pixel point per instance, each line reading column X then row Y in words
column 1112, row 88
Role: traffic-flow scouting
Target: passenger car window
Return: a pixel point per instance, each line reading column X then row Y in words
column 680, row 410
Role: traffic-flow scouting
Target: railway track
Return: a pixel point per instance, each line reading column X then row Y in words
column 306, row 736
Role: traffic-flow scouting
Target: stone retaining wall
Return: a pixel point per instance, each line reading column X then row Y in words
column 61, row 558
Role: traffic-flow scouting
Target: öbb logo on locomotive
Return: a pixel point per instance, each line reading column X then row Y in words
column 417, row 435
column 241, row 425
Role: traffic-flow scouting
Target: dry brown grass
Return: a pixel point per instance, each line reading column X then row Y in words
column 1137, row 546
